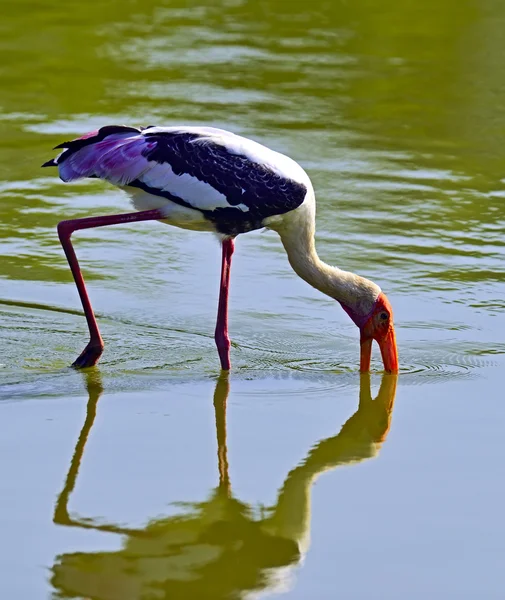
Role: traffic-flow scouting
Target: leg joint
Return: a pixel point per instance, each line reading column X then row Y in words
column 65, row 229
column 222, row 340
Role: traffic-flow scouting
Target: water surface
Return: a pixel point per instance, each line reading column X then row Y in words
column 149, row 477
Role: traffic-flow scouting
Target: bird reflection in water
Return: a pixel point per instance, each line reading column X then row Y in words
column 219, row 548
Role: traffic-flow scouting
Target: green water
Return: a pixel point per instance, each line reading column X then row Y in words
column 148, row 477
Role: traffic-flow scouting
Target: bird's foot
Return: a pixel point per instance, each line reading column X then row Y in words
column 223, row 349
column 89, row 356
column 224, row 357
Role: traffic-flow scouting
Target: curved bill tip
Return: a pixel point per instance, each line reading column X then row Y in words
column 389, row 352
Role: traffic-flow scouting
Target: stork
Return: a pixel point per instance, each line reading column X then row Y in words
column 208, row 179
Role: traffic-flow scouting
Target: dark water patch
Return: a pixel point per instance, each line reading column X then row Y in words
column 37, row 306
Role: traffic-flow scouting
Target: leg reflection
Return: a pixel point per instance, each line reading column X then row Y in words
column 61, row 516
column 220, row 397
column 94, row 388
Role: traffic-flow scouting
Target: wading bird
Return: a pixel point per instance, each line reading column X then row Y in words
column 208, row 179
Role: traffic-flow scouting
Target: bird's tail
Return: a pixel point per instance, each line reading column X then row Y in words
column 102, row 153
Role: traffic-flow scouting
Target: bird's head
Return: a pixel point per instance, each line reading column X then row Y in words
column 376, row 324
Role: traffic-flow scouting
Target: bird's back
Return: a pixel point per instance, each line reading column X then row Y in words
column 234, row 182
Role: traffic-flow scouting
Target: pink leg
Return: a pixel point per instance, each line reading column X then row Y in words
column 221, row 334
column 94, row 349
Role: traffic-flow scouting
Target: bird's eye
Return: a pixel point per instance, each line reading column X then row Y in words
column 384, row 316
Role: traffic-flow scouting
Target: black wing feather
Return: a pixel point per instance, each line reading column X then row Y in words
column 241, row 180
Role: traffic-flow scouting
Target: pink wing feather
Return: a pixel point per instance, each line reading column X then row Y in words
column 117, row 159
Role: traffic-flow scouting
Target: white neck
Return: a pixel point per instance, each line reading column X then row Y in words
column 297, row 231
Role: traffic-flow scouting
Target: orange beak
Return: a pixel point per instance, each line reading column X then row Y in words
column 387, row 345
column 365, row 355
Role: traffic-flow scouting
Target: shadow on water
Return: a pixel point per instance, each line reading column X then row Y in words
column 218, row 548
